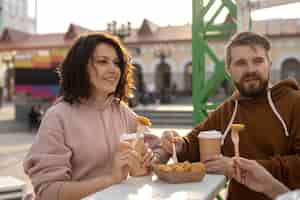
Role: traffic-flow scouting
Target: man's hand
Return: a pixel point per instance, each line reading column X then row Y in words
column 220, row 165
column 168, row 138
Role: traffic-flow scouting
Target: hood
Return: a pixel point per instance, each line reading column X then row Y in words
column 277, row 90
column 101, row 105
column 281, row 88
column 274, row 92
column 92, row 102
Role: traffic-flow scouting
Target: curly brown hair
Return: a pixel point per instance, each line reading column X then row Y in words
column 75, row 84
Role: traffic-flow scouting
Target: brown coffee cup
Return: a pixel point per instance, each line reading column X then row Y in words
column 209, row 144
column 136, row 141
column 139, row 169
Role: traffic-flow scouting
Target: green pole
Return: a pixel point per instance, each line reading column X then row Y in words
column 198, row 75
column 202, row 32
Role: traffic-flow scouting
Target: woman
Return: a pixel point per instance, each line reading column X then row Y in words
column 257, row 178
column 76, row 150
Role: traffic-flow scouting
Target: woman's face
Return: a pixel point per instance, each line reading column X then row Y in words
column 104, row 70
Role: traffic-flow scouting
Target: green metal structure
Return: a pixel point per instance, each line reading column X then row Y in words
column 202, row 31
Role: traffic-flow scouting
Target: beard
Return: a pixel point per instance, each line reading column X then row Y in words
column 252, row 85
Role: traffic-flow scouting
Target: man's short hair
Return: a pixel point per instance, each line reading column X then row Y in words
column 246, row 39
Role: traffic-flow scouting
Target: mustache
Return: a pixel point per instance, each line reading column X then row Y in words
column 251, row 75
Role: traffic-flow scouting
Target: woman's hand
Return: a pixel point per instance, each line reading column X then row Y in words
column 123, row 161
column 170, row 137
column 148, row 157
column 257, row 178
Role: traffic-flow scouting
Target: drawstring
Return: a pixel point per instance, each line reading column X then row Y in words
column 273, row 109
column 230, row 122
column 277, row 113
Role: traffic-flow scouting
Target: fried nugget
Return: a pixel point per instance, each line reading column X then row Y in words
column 143, row 120
column 197, row 167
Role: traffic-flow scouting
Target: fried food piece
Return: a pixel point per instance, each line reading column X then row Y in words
column 197, row 167
column 179, row 168
column 182, row 167
column 185, row 166
column 237, row 127
column 164, row 168
column 143, row 120
column 124, row 146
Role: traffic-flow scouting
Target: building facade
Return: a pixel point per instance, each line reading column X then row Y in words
column 14, row 14
column 161, row 55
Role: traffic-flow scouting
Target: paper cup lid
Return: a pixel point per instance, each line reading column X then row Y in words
column 210, row 134
column 293, row 195
column 130, row 136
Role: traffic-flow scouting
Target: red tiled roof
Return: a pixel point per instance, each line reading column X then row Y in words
column 21, row 41
column 12, row 35
column 37, row 41
column 278, row 27
column 147, row 28
column 162, row 34
column 75, row 30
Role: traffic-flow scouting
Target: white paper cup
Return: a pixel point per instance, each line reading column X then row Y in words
column 128, row 137
column 209, row 144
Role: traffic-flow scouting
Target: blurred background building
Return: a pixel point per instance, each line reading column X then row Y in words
column 161, row 55
column 14, row 14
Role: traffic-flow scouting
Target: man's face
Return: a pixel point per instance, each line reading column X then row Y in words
column 250, row 69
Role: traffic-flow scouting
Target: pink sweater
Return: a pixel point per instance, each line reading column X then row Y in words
column 77, row 142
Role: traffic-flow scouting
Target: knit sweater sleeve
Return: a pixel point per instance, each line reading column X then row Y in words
column 48, row 163
column 286, row 167
column 190, row 150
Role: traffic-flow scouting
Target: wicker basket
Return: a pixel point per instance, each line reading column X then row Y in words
column 179, row 177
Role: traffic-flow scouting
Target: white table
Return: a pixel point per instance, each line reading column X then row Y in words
column 11, row 188
column 151, row 188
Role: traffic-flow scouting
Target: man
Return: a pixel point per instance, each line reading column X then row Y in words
column 270, row 115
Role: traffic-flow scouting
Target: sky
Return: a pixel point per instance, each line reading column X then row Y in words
column 56, row 15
